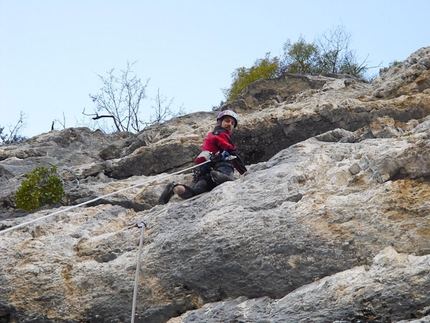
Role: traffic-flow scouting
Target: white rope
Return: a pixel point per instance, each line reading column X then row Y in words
column 98, row 198
column 142, row 226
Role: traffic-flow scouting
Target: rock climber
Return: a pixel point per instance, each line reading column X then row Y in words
column 220, row 153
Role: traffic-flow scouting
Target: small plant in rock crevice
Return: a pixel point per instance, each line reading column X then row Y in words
column 42, row 186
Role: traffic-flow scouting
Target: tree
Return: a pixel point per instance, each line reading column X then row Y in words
column 300, row 57
column 330, row 53
column 14, row 131
column 242, row 77
column 335, row 55
column 163, row 110
column 120, row 99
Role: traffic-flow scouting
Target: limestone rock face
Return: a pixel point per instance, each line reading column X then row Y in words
column 329, row 224
column 410, row 76
column 363, row 293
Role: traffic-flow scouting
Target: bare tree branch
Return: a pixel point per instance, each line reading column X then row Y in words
column 121, row 99
column 14, row 131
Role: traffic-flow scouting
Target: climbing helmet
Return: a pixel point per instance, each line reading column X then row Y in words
column 230, row 113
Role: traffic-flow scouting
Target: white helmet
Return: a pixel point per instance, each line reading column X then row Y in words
column 230, row 113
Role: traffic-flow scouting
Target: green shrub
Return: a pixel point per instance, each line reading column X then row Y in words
column 242, row 77
column 395, row 63
column 329, row 53
column 300, row 57
column 41, row 186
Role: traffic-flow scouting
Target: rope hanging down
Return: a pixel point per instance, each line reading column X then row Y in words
column 142, row 226
column 98, row 198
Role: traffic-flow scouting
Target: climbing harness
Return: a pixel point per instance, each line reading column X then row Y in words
column 142, row 226
column 99, row 198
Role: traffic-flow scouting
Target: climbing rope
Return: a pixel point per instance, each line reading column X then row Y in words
column 99, row 198
column 142, row 226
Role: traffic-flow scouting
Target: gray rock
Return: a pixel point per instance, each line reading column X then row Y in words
column 363, row 293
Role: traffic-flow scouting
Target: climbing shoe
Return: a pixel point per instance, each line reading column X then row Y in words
column 167, row 193
column 219, row 177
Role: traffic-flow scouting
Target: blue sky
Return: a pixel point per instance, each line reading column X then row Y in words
column 52, row 50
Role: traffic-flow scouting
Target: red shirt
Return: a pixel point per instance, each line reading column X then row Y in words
column 218, row 140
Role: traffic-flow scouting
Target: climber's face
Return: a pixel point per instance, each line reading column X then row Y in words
column 228, row 123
